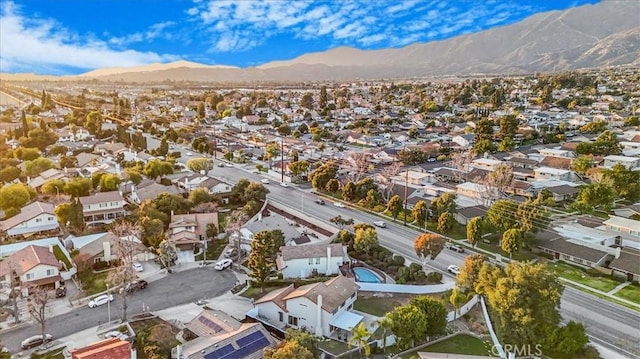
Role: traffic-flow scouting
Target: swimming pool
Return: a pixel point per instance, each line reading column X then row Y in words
column 365, row 275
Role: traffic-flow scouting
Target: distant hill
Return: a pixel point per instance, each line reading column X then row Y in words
column 589, row 36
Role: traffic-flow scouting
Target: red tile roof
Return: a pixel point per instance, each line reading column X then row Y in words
column 112, row 348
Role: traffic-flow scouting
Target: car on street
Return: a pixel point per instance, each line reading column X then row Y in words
column 35, row 340
column 100, row 300
column 231, row 253
column 453, row 269
column 220, row 164
column 456, row 248
column 228, row 165
column 134, row 286
column 223, row 264
column 189, row 154
column 284, row 184
column 380, row 224
column 137, row 267
column 338, row 204
column 265, row 180
column 320, row 202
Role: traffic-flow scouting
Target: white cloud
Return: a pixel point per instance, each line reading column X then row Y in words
column 27, row 44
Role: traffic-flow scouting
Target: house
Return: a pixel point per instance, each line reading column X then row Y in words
column 112, row 148
column 187, row 230
column 102, row 247
column 555, row 152
column 112, row 348
column 33, row 218
column 563, row 163
column 464, row 141
column 628, row 226
column 219, row 335
column 44, row 177
column 563, row 193
column 102, row 207
column 627, row 264
column 33, row 266
column 464, row 215
column 628, row 162
column 150, row 191
column 320, row 308
column 270, row 222
column 570, row 252
column 302, row 261
column 548, row 173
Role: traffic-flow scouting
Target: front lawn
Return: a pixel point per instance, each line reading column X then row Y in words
column 214, row 249
column 93, row 283
column 630, row 292
column 52, row 354
column 154, row 332
column 522, row 255
column 461, row 344
column 579, row 275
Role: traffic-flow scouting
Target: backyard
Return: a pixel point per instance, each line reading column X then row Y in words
column 379, row 304
column 461, row 344
column 580, row 275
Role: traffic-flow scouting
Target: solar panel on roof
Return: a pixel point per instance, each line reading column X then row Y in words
column 220, row 353
column 249, row 338
column 246, row 350
column 211, row 324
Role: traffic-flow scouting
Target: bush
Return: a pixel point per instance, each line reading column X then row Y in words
column 415, row 267
column 398, row 260
column 434, row 277
column 379, row 208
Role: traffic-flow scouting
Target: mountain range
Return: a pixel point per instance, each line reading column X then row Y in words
column 589, row 36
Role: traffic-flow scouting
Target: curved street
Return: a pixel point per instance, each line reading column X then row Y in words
column 172, row 290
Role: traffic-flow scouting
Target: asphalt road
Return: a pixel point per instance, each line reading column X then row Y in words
column 174, row 289
column 607, row 324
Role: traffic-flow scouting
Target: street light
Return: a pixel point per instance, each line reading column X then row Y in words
column 108, row 304
column 282, row 159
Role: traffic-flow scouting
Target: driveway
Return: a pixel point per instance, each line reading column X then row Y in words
column 174, row 289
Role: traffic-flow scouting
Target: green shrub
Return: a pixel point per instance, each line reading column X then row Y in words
column 379, row 208
column 415, row 267
column 398, row 260
column 433, row 277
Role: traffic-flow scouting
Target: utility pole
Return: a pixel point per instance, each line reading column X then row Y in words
column 406, row 185
column 282, row 160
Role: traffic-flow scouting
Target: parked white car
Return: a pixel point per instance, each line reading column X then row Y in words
column 453, row 269
column 265, row 180
column 380, row 224
column 100, row 300
column 284, row 184
column 338, row 204
column 137, row 267
column 223, row 264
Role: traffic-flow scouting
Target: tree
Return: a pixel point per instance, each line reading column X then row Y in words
column 594, row 196
column 341, row 222
column 38, row 299
column 15, row 196
column 445, row 203
column 428, row 246
column 332, row 186
column 360, row 338
column 125, row 249
column 365, row 240
column 284, row 130
column 288, row 350
column 420, row 212
column 385, row 324
column 167, row 253
column 594, row 127
column 298, row 168
column 349, row 191
column 409, row 324
column 322, row 100
column 435, row 312
column 507, row 144
column 484, row 146
column 512, row 241
column 37, row 166
column 474, row 230
column 395, row 206
column 70, row 215
column 322, row 175
column 255, row 192
column 624, row 181
column 445, row 222
column 9, row 174
column 163, row 148
column 53, row 187
column 68, row 162
column 200, row 195
column 469, row 271
column 525, row 299
column 508, row 126
column 582, row 164
column 93, row 122
column 200, row 164
column 157, row 168
column 171, row 204
column 484, row 130
column 564, row 342
column 133, row 175
column 109, row 182
column 78, row 187
column 262, row 257
column 501, row 215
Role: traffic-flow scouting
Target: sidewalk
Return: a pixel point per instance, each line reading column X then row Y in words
column 617, row 288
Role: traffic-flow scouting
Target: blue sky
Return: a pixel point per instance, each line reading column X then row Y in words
column 75, row 36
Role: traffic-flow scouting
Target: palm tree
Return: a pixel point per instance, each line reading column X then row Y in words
column 385, row 323
column 360, row 337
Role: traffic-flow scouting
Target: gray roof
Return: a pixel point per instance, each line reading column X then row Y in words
column 628, row 262
column 573, row 249
column 472, row 212
column 311, row 251
column 563, row 190
column 26, row 213
column 101, row 197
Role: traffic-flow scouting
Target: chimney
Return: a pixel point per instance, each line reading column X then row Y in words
column 618, row 251
column 328, row 261
column 319, row 317
column 106, row 248
column 51, row 248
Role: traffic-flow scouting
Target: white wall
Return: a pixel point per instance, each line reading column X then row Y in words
column 300, row 268
column 39, row 272
column 103, row 206
column 43, row 219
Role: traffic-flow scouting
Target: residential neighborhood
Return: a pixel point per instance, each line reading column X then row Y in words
column 340, row 214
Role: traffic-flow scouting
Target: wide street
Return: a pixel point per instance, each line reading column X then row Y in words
column 172, row 290
column 607, row 324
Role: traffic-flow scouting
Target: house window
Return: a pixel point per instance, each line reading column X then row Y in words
column 310, row 260
column 29, row 276
column 51, row 218
column 318, row 260
column 49, row 272
column 280, row 317
column 38, row 219
column 293, row 321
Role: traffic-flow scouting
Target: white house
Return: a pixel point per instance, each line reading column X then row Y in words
column 628, row 226
column 628, row 162
column 34, row 265
column 102, row 207
column 555, row 152
column 302, row 261
column 548, row 173
column 33, row 218
column 464, row 141
column 320, row 308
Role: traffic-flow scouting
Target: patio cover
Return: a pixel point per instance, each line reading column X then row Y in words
column 346, row 320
